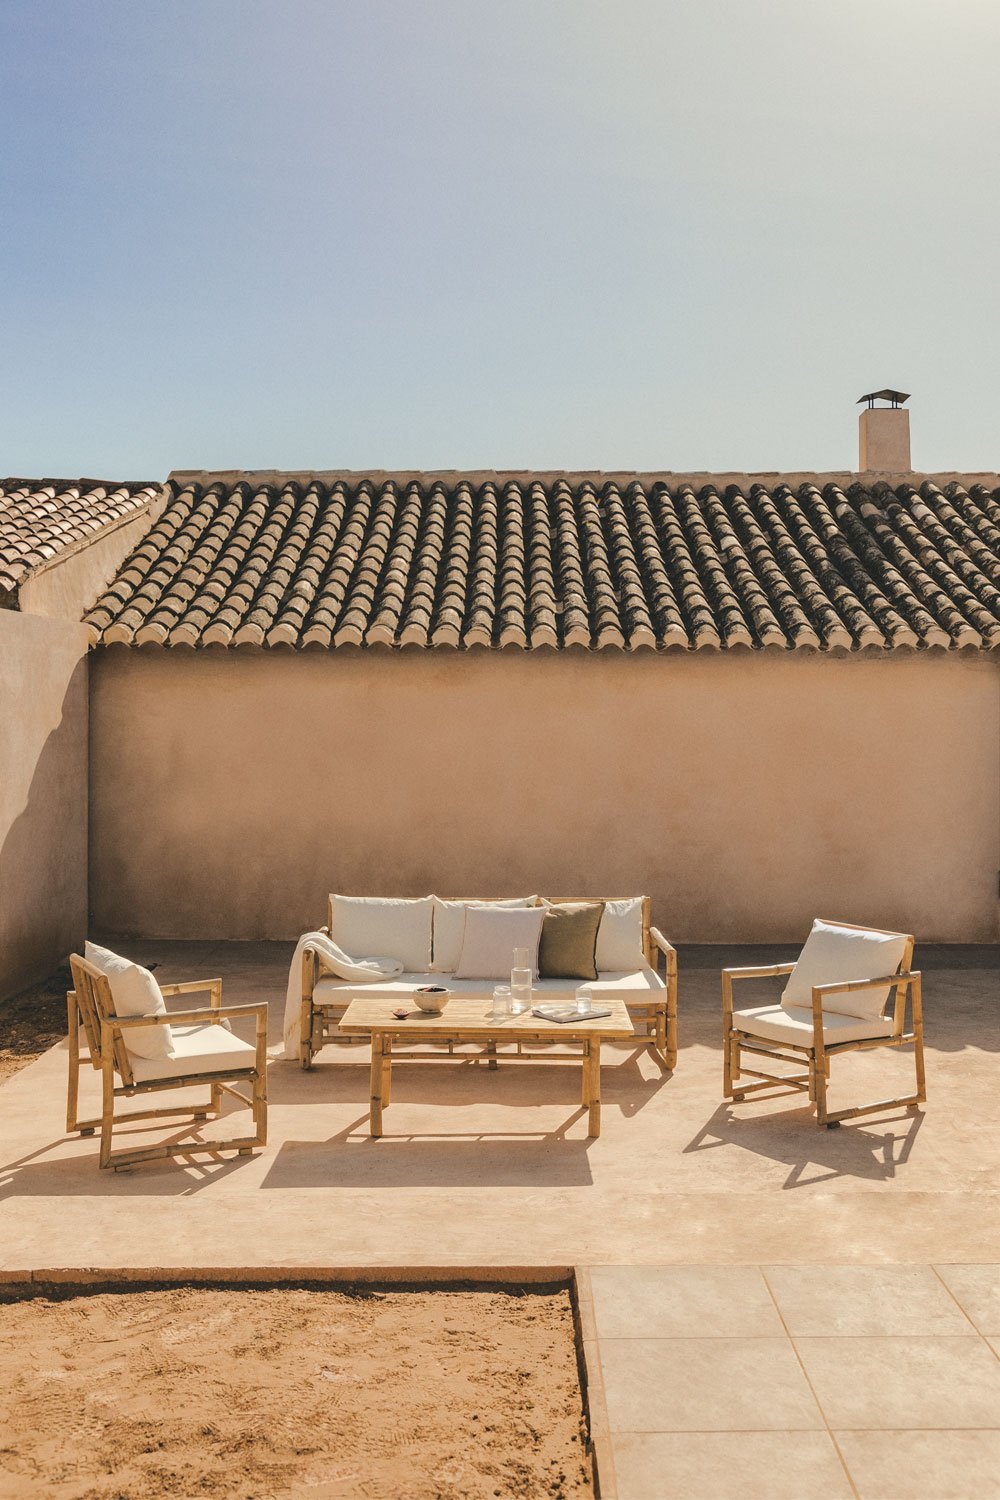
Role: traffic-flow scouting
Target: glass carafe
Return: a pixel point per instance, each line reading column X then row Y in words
column 520, row 981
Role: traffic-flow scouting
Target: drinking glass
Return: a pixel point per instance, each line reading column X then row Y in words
column 584, row 1000
column 501, row 1002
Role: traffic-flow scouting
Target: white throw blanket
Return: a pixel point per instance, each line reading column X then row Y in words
column 333, row 960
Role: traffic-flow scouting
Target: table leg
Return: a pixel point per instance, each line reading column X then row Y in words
column 386, row 1070
column 593, row 1070
column 585, row 1075
column 375, row 1101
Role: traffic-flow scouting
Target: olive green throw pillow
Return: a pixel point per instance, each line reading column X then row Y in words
column 568, row 944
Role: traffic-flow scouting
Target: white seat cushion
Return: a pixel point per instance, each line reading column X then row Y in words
column 134, row 992
column 449, row 928
column 642, row 984
column 619, row 937
column 370, row 927
column 208, row 1048
column 794, row 1024
column 834, row 955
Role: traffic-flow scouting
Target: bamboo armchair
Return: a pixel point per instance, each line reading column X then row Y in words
column 90, row 1008
column 742, row 1032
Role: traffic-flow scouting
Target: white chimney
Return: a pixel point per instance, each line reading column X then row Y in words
column 884, row 434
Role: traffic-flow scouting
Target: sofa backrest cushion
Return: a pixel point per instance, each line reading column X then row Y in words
column 449, row 928
column 134, row 992
column 833, row 954
column 568, row 944
column 380, row 927
column 619, row 937
column 491, row 935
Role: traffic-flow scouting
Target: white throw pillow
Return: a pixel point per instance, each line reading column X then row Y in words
column 370, row 926
column 619, row 937
column 449, row 928
column 134, row 992
column 833, row 954
column 491, row 935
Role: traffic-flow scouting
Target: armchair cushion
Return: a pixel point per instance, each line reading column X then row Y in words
column 134, row 992
column 370, row 927
column 492, row 934
column 211, row 1048
column 619, row 937
column 794, row 1024
column 836, row 954
column 449, row 928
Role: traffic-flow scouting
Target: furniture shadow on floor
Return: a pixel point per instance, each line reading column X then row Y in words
column 872, row 1151
column 427, row 1159
column 44, row 1174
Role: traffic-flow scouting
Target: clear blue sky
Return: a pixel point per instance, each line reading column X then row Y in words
column 462, row 233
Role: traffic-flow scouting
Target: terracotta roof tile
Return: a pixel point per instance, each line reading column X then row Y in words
column 524, row 561
column 40, row 518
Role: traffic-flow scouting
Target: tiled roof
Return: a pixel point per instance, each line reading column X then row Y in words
column 560, row 560
column 39, row 518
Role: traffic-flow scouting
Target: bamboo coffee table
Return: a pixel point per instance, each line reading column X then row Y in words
column 469, row 1018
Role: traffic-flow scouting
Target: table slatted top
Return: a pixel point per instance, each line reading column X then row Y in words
column 472, row 1015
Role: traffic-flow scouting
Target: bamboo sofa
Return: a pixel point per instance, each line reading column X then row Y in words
column 830, row 1005
column 650, row 997
column 203, row 1052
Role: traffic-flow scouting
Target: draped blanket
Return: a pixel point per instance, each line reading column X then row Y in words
column 332, row 960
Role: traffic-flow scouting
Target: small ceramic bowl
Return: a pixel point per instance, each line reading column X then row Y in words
column 431, row 997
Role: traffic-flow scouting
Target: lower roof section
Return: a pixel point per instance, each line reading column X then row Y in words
column 626, row 561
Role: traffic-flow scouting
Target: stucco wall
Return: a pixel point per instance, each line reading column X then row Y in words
column 746, row 794
column 43, row 795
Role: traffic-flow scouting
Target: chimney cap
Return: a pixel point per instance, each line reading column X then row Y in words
column 896, row 397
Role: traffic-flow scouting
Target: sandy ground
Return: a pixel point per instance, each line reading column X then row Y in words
column 379, row 1395
column 33, row 1021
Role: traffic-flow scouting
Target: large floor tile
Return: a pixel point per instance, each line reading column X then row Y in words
column 705, row 1385
column 708, row 1465
column 952, row 1465
column 683, row 1302
column 873, row 1300
column 887, row 1383
column 977, row 1288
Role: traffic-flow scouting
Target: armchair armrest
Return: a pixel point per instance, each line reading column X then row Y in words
column 256, row 1008
column 845, row 986
column 192, row 986
column 764, row 971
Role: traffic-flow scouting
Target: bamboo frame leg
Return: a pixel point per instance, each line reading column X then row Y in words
column 819, row 1068
column 305, row 1035
column 917, row 1003
column 375, row 1090
column 593, row 1070
column 671, row 1052
column 585, row 1075
column 107, row 1102
column 727, row 1037
column 491, row 1053
column 73, row 1079
column 386, row 1070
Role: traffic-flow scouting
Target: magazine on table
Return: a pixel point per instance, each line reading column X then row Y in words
column 564, row 1013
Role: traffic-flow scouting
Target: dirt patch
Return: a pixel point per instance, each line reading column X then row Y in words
column 31, row 1022
column 358, row 1395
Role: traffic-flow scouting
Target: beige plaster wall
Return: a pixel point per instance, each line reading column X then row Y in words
column 43, row 795
column 745, row 793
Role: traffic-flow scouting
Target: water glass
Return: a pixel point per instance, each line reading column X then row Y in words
column 584, row 1000
column 501, row 1002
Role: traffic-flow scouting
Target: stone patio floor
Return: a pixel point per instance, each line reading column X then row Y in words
column 816, row 1312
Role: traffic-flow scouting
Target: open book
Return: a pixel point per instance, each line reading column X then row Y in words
column 564, row 1013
